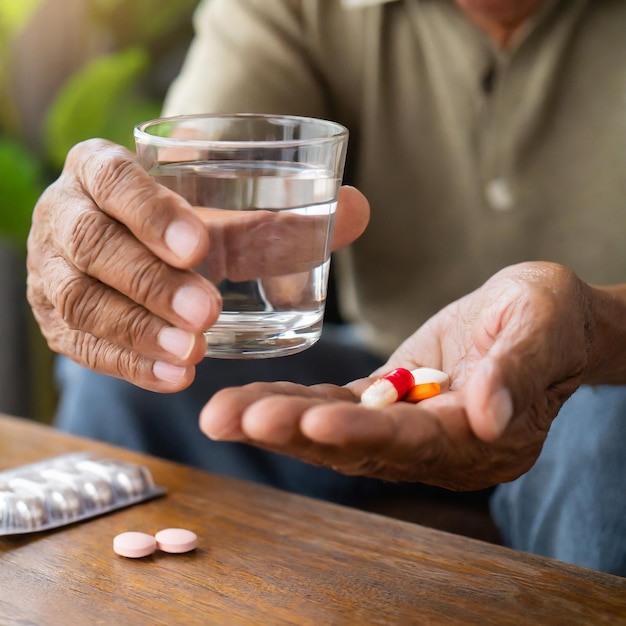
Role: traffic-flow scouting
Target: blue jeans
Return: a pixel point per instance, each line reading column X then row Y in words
column 570, row 506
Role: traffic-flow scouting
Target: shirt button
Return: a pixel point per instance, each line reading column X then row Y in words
column 499, row 195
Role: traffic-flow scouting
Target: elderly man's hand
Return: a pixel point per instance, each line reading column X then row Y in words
column 515, row 349
column 110, row 258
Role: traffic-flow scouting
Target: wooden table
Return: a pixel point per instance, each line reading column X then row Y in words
column 268, row 557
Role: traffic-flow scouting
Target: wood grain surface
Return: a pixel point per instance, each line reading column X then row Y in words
column 268, row 557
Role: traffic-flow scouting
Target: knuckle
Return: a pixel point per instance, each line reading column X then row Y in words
column 86, row 147
column 103, row 356
column 140, row 329
column 115, row 174
column 84, row 305
column 43, row 214
column 112, row 175
column 34, row 293
column 88, row 350
column 149, row 281
column 135, row 328
column 256, row 388
column 119, row 175
column 130, row 193
column 93, row 163
column 129, row 364
column 78, row 301
column 89, row 234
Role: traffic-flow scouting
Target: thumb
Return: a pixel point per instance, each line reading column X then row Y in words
column 489, row 402
column 353, row 214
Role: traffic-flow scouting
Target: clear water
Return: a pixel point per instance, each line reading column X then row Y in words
column 269, row 226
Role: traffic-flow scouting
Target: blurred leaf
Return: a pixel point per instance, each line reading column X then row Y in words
column 88, row 104
column 128, row 114
column 15, row 13
column 21, row 183
column 157, row 17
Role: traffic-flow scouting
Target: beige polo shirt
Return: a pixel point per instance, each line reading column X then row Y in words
column 472, row 158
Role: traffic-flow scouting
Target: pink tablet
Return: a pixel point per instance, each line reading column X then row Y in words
column 134, row 545
column 176, row 540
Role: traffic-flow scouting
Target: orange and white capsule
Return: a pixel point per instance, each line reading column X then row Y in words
column 402, row 384
column 427, row 379
column 422, row 391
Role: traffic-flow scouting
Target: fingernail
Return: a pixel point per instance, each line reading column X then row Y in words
column 502, row 409
column 168, row 373
column 176, row 341
column 192, row 304
column 225, row 435
column 181, row 238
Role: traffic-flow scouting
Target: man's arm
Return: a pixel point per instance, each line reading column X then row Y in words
column 607, row 332
column 515, row 350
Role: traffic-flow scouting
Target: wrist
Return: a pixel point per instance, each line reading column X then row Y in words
column 605, row 330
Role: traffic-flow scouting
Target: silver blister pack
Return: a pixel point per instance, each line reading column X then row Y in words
column 69, row 488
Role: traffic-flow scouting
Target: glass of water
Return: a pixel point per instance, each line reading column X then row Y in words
column 265, row 187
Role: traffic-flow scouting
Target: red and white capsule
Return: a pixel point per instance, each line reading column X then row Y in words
column 402, row 384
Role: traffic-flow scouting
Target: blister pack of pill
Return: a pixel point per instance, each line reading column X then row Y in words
column 69, row 488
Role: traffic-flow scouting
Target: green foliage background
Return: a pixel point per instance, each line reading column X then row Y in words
column 131, row 50
column 106, row 97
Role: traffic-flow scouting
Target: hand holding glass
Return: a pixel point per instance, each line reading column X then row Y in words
column 266, row 188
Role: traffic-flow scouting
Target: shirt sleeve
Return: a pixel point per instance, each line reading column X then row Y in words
column 248, row 56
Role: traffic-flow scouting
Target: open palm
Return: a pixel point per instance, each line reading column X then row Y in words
column 515, row 349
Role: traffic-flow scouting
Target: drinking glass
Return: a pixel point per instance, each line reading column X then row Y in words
column 265, row 188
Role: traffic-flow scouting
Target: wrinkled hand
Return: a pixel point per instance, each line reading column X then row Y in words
column 110, row 258
column 515, row 349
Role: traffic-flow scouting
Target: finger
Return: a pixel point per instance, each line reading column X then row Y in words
column 221, row 417
column 353, row 214
column 275, row 420
column 157, row 216
column 369, row 430
column 278, row 243
column 112, row 360
column 524, row 368
column 245, row 245
column 489, row 402
column 100, row 247
column 275, row 423
column 261, row 416
column 430, row 443
column 269, row 417
column 400, row 442
column 88, row 305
